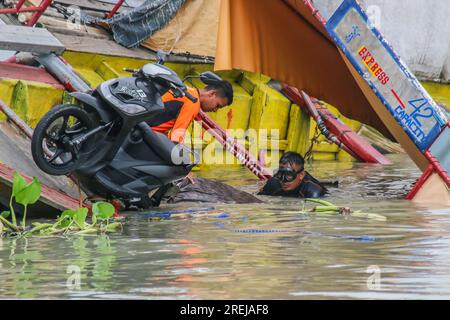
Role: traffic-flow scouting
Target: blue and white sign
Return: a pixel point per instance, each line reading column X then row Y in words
column 387, row 75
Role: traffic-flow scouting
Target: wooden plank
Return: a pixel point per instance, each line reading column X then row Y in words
column 56, row 25
column 51, row 203
column 15, row 151
column 92, row 5
column 26, row 39
column 4, row 54
column 128, row 3
column 102, row 46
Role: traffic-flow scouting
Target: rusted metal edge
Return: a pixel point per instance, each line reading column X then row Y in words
column 22, row 72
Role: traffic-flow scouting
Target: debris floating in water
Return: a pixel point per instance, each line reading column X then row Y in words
column 329, row 208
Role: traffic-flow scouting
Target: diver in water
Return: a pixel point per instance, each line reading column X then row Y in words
column 291, row 180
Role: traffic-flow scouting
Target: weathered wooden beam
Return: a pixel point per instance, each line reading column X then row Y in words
column 58, row 194
column 26, row 39
column 91, row 5
column 51, row 202
column 102, row 46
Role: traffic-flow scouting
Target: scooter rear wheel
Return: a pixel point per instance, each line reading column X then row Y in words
column 50, row 146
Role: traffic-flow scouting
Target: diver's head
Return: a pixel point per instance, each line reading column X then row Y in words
column 291, row 171
column 216, row 96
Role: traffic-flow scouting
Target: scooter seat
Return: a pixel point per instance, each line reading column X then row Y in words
column 164, row 147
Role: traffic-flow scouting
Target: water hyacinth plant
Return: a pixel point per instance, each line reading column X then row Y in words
column 24, row 194
column 69, row 222
column 75, row 222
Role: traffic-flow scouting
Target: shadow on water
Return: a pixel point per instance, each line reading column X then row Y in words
column 220, row 254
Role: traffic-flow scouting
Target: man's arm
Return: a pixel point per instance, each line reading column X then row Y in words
column 313, row 190
column 272, row 187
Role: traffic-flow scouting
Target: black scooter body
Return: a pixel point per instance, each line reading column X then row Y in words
column 132, row 160
column 110, row 149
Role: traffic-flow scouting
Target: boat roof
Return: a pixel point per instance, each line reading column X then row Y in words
column 81, row 37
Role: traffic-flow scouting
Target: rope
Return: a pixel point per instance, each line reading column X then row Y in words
column 365, row 238
column 314, row 140
column 168, row 214
column 224, row 215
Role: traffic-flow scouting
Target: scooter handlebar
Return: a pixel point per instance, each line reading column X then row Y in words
column 182, row 92
column 190, row 97
column 130, row 70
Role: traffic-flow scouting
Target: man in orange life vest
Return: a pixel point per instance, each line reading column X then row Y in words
column 179, row 112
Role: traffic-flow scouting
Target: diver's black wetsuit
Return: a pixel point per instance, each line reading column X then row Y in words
column 308, row 188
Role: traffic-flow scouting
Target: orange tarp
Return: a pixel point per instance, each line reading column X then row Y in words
column 282, row 39
column 193, row 29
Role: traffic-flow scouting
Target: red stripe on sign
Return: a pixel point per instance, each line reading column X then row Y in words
column 398, row 99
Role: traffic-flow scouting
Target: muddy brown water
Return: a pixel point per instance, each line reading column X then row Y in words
column 292, row 256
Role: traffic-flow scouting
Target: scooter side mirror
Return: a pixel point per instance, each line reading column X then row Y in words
column 161, row 55
column 210, row 78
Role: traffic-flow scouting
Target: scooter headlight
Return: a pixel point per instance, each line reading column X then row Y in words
column 132, row 108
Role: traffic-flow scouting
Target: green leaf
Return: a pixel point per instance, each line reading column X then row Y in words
column 5, row 214
column 113, row 226
column 19, row 183
column 30, row 193
column 68, row 213
column 66, row 218
column 322, row 202
column 103, row 210
column 80, row 217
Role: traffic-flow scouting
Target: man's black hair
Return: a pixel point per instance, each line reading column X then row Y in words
column 224, row 89
column 292, row 158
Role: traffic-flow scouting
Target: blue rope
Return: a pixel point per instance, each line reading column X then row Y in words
column 364, row 238
column 168, row 214
column 225, row 215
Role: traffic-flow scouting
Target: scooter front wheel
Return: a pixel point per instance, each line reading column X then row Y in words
column 52, row 145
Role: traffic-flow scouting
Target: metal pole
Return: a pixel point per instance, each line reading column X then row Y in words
column 320, row 123
column 233, row 146
column 19, row 4
column 438, row 167
column 14, row 118
column 41, row 9
column 63, row 73
column 114, row 10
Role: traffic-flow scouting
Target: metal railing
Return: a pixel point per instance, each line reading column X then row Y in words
column 114, row 10
column 38, row 10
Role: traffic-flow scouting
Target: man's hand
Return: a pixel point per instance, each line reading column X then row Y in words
column 260, row 184
column 190, row 177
